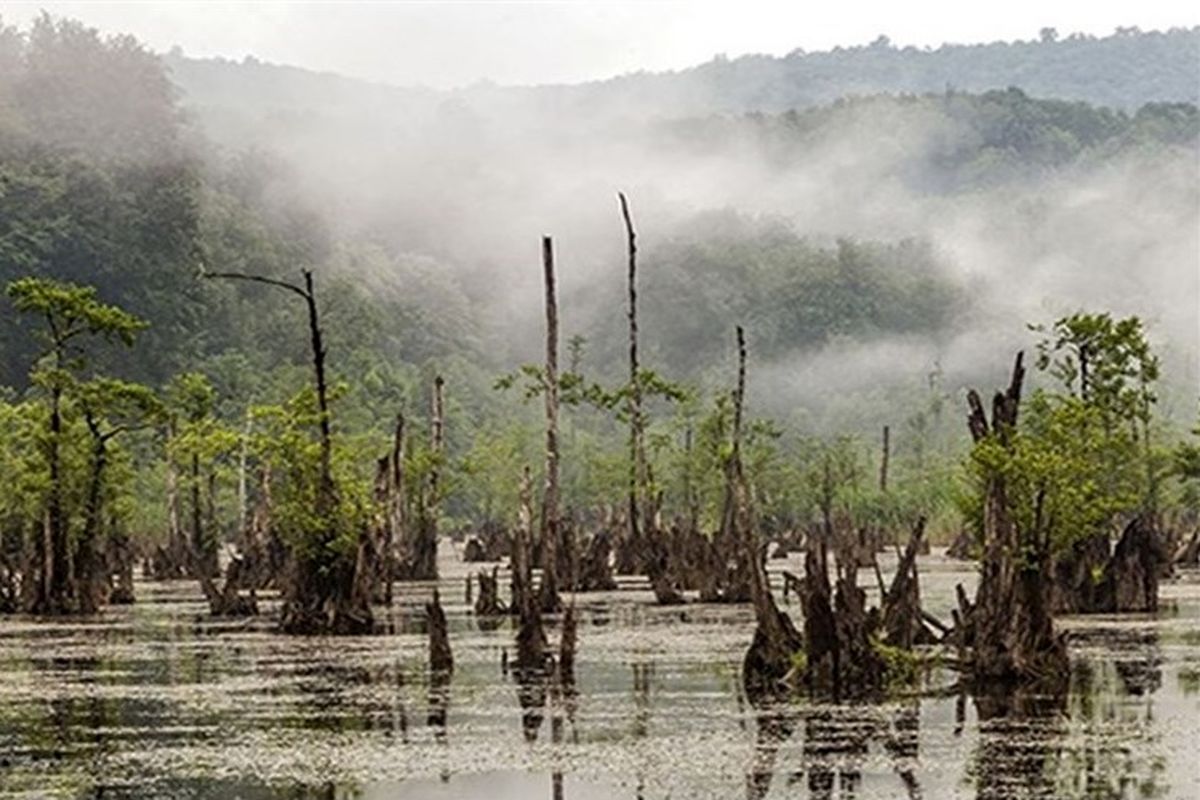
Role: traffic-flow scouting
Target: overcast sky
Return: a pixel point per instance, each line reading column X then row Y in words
column 452, row 44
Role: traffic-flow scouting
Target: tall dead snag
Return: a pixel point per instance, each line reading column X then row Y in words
column 322, row 592
column 389, row 518
column 395, row 510
column 418, row 558
column 883, row 459
column 550, row 533
column 421, row 556
column 727, row 571
column 643, row 533
column 776, row 641
column 1010, row 624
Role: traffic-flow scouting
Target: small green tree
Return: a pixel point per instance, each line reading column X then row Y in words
column 1107, row 366
column 109, row 408
column 71, row 317
column 199, row 443
column 1080, row 456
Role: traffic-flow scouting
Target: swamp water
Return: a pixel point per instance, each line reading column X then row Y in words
column 157, row 701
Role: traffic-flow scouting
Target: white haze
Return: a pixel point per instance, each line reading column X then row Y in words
column 475, row 179
column 446, row 44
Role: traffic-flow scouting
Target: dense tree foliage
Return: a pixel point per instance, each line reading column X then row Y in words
column 1082, row 457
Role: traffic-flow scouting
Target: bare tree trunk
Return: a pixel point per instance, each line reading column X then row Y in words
column 394, row 511
column 1010, row 623
column 531, row 638
column 643, row 536
column 883, row 462
column 689, row 489
column 323, row 592
column 55, row 562
column 199, row 550
column 776, row 640
column 903, row 620
column 423, row 555
column 87, row 554
column 637, row 455
column 242, row 493
column 327, row 491
column 550, row 512
column 171, row 561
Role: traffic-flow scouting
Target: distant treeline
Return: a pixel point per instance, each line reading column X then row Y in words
column 1124, row 70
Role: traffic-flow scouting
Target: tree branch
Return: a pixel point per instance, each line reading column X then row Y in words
column 240, row 276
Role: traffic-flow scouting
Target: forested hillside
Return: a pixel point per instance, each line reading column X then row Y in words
column 865, row 244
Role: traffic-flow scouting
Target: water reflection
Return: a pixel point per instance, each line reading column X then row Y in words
column 1020, row 736
column 773, row 727
column 835, row 749
column 148, row 702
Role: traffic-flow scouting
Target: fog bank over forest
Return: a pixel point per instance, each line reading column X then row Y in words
column 1024, row 210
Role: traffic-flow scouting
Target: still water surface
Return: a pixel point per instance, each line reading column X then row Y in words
column 155, row 701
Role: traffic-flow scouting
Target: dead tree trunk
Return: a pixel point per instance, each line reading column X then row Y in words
column 883, row 460
column 903, row 620
column 776, row 640
column 89, row 581
column 550, row 536
column 1010, row 624
column 643, row 536
column 531, row 638
column 171, row 560
column 322, row 593
column 595, row 573
column 1133, row 571
column 566, row 649
column 637, row 465
column 53, row 596
column 388, row 512
column 422, row 554
column 395, row 511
